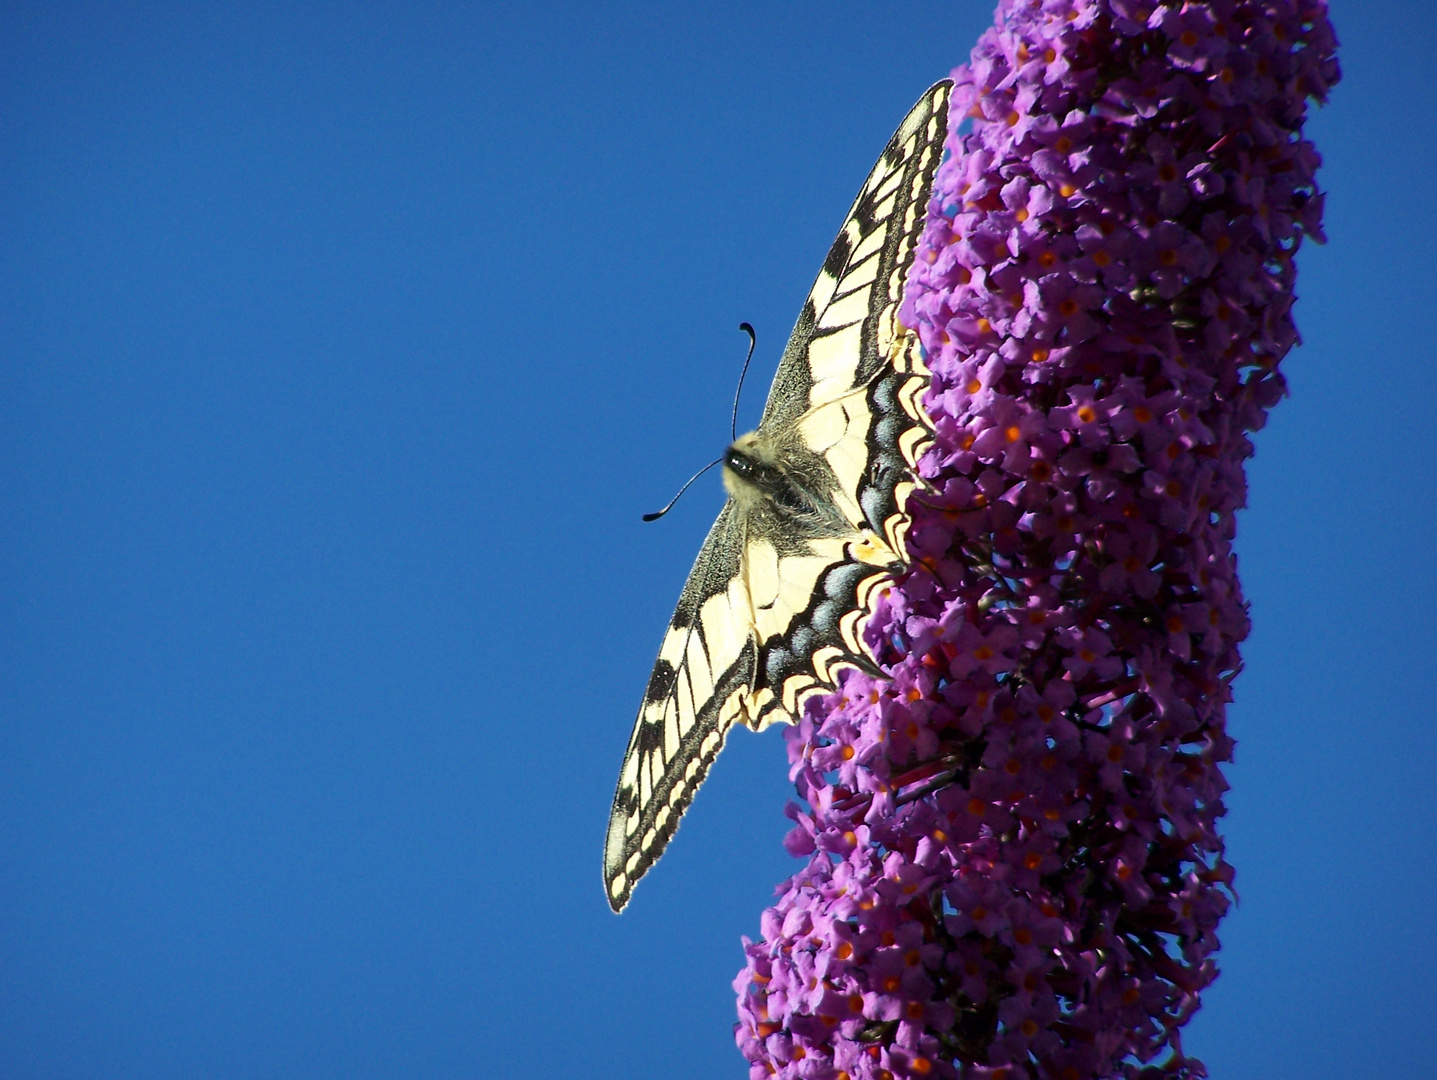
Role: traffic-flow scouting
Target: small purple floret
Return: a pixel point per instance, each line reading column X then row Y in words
column 1014, row 868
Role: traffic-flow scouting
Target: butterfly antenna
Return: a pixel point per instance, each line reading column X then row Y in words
column 660, row 513
column 752, row 341
column 733, row 424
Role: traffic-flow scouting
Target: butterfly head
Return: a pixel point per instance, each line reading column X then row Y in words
column 745, row 466
column 754, row 477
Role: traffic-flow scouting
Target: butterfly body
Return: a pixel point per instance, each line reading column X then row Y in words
column 784, row 491
column 775, row 605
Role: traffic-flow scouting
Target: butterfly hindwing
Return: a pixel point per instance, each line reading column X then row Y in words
column 776, row 601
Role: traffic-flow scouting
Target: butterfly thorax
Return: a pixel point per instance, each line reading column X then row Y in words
column 783, row 488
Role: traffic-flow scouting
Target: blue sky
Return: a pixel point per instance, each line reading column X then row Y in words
column 341, row 348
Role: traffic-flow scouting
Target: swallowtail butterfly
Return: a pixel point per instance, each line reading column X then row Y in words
column 815, row 520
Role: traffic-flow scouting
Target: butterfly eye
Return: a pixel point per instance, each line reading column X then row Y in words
column 739, row 464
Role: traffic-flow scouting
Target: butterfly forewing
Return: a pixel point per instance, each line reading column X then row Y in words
column 848, row 324
column 705, row 670
column 776, row 601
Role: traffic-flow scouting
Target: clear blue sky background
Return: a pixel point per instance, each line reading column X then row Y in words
column 341, row 348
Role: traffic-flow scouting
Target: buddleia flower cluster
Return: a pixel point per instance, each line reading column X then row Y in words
column 1013, row 864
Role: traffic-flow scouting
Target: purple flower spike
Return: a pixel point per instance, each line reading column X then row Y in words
column 1014, row 869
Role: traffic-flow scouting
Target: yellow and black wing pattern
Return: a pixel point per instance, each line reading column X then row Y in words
column 815, row 521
